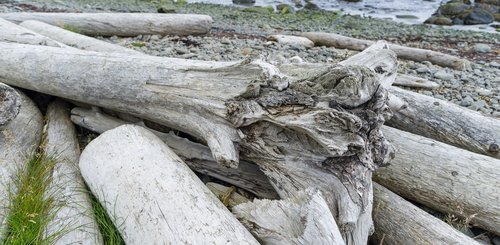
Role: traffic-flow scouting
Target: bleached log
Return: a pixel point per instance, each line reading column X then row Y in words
column 14, row 33
column 156, row 198
column 10, row 104
column 292, row 40
column 304, row 219
column 301, row 132
column 447, row 122
column 444, row 178
column 227, row 194
column 416, row 54
column 18, row 140
column 397, row 221
column 197, row 156
column 74, row 39
column 121, row 24
column 73, row 215
column 414, row 82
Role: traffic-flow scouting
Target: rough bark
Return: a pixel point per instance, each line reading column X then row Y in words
column 447, row 122
column 292, row 40
column 197, row 156
column 414, row 82
column 14, row 33
column 74, row 39
column 444, row 178
column 10, row 105
column 154, row 196
column 121, row 24
column 304, row 219
column 17, row 140
column 416, row 54
column 397, row 221
column 319, row 131
column 74, row 214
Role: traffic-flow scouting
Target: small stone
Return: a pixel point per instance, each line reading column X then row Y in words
column 225, row 41
column 478, row 105
column 495, row 64
column 467, row 101
column 444, row 75
column 482, row 48
column 154, row 38
column 484, row 92
column 296, row 59
column 181, row 50
column 423, row 70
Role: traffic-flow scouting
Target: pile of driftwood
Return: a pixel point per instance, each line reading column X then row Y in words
column 305, row 139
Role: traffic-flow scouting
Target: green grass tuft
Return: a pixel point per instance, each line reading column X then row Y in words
column 71, row 28
column 109, row 233
column 31, row 208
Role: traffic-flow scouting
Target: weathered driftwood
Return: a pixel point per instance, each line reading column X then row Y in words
column 447, row 122
column 416, row 54
column 74, row 39
column 18, row 140
column 197, row 156
column 73, row 210
column 10, row 104
column 14, row 33
column 227, row 195
column 397, row 221
column 414, row 82
column 292, row 40
column 304, row 219
column 443, row 177
column 121, row 24
column 319, row 131
column 154, row 196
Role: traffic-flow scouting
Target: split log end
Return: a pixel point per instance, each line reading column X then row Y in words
column 10, row 104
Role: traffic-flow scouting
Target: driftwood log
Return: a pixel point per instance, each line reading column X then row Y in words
column 227, row 195
column 154, row 196
column 121, row 24
column 414, row 82
column 18, row 140
column 313, row 132
column 416, row 54
column 301, row 220
column 74, row 39
column 397, row 221
column 197, row 156
column 444, row 177
column 10, row 104
column 73, row 210
column 447, row 122
column 14, row 33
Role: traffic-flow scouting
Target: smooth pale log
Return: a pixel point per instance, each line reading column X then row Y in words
column 397, row 221
column 292, row 40
column 14, row 33
column 18, row 140
column 197, row 156
column 414, row 82
column 304, row 219
column 154, row 197
column 301, row 131
column 121, row 24
column 227, row 195
column 447, row 122
column 444, row 178
column 10, row 104
column 416, row 54
column 74, row 39
column 74, row 215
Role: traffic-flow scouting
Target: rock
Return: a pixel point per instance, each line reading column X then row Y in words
column 482, row 48
column 484, row 92
column 479, row 16
column 406, row 16
column 439, row 20
column 311, row 6
column 294, row 41
column 423, row 70
column 467, row 101
column 478, row 105
column 454, row 9
column 444, row 75
column 296, row 59
column 495, row 64
column 261, row 10
column 165, row 9
column 244, row 2
column 285, row 9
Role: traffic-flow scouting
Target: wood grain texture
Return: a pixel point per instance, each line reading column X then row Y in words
column 154, row 196
column 121, row 24
column 73, row 210
column 444, row 178
column 10, row 104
